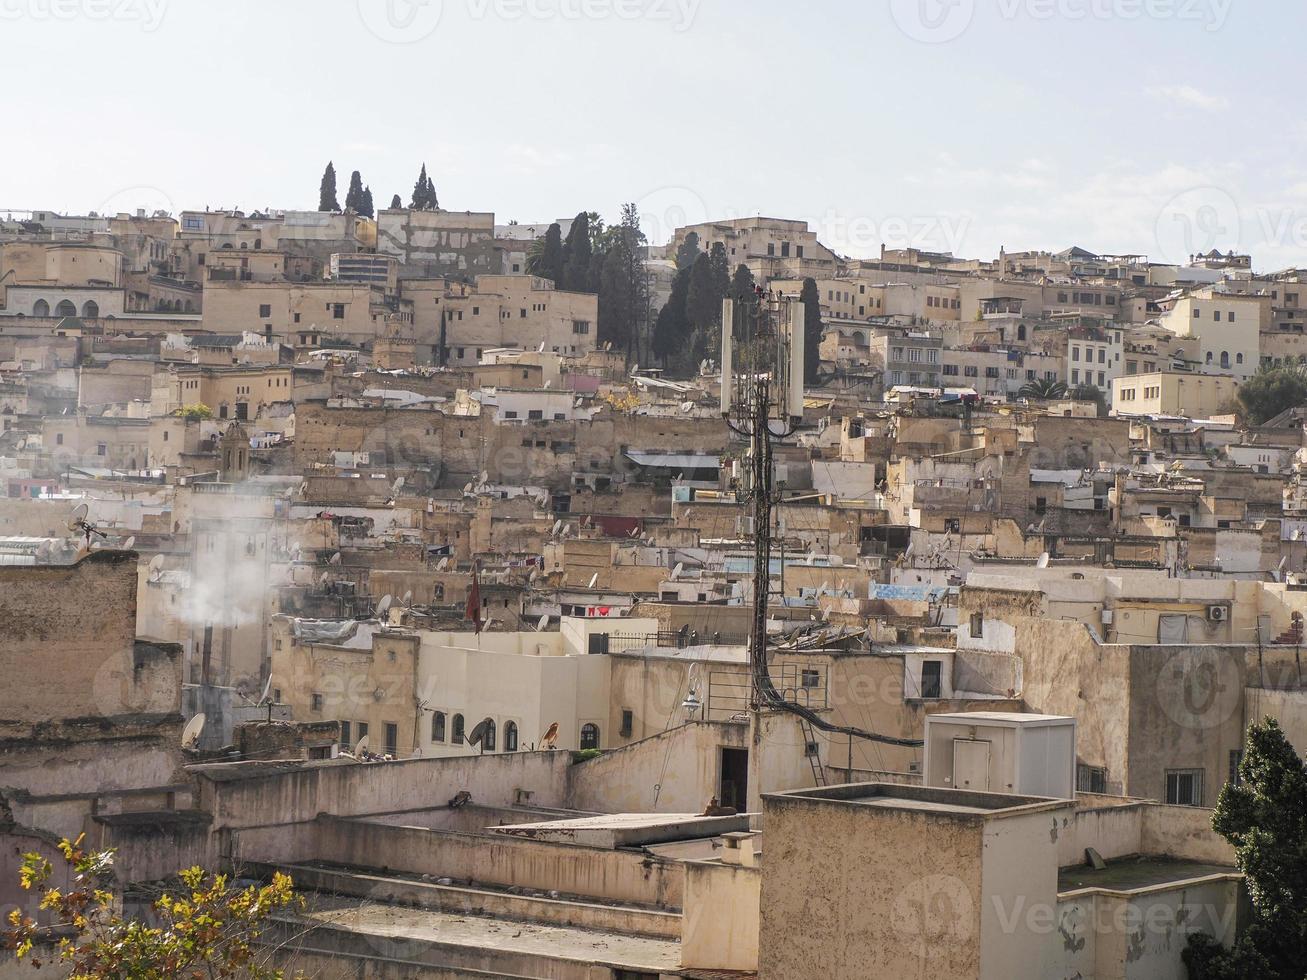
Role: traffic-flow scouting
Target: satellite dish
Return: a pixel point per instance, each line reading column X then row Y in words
column 483, row 476
column 478, row 732
column 442, row 564
column 322, row 579
column 544, row 621
column 535, row 574
column 267, row 687
column 43, row 551
column 127, row 545
column 334, row 559
column 593, row 579
column 407, row 601
column 558, row 526
column 635, row 368
column 156, row 563
column 1043, row 561
column 467, row 488
column 191, row 733
column 78, row 515
column 541, row 349
column 361, row 745
column 676, row 572
column 383, row 606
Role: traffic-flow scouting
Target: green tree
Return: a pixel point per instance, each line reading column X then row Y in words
column 424, row 193
column 396, row 203
column 687, row 251
column 354, row 196
column 547, row 260
column 327, row 190
column 577, row 254
column 365, row 205
column 205, row 928
column 672, row 328
column 1043, row 389
column 812, row 330
column 616, row 303
column 1264, row 817
column 703, row 301
column 195, row 412
column 742, row 282
column 721, row 269
column 1271, row 391
column 1091, row 393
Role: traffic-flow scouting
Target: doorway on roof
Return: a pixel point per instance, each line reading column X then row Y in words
column 733, row 785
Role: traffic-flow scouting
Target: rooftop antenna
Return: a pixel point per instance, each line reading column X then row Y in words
column 593, row 579
column 383, row 607
column 191, row 733
column 155, row 568
column 544, row 621
column 334, row 559
column 128, row 544
column 77, row 522
column 361, row 747
column 442, row 564
column 407, row 601
column 478, row 734
column 550, row 737
column 676, row 572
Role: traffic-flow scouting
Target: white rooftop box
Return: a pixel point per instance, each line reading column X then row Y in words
column 1001, row 752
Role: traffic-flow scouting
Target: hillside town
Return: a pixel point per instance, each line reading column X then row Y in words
column 547, row 601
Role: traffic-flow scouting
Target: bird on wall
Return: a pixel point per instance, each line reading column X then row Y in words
column 550, row 737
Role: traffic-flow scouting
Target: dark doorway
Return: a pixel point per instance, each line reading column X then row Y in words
column 734, row 789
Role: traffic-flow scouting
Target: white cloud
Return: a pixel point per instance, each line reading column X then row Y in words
column 1190, row 97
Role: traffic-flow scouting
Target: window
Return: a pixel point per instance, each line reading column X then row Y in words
column 510, row 736
column 932, row 356
column 456, row 730
column 950, row 370
column 344, row 735
column 1197, row 313
column 438, row 727
column 1184, row 787
column 1238, row 358
column 1091, row 779
column 977, row 625
column 1102, row 355
column 785, row 250
column 1236, row 757
column 488, row 738
column 392, row 739
column 589, row 736
column 628, row 722
column 914, row 355
column 535, row 413
column 810, row 677
column 1225, row 358
column 798, row 251
column 1229, row 317
column 1075, row 376
column 970, row 371
column 338, row 311
column 265, row 310
column 316, row 702
column 363, row 730
column 931, row 678
column 580, row 326
column 1075, row 353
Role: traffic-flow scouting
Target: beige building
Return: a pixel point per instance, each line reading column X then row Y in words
column 1228, row 329
column 1195, row 396
column 772, row 248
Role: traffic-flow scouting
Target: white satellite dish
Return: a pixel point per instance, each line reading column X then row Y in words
column 383, row 607
column 558, row 526
column 467, row 488
column 78, row 515
column 1043, row 561
column 322, row 579
column 191, row 733
column 483, row 476
column 676, row 572
column 535, row 574
column 442, row 564
column 361, row 745
column 397, row 486
column 127, row 545
column 541, row 349
column 593, row 579
column 407, row 601
column 544, row 621
column 334, row 559
column 156, row 564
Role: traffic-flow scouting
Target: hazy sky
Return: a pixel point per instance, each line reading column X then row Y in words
column 1151, row 126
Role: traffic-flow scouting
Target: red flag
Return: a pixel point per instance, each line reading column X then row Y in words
column 473, row 611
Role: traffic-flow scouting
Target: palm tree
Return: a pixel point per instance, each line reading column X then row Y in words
column 1042, row 390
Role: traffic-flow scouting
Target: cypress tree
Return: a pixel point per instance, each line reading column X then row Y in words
column 327, row 190
column 354, row 196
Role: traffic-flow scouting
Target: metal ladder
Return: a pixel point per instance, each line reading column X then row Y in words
column 814, row 759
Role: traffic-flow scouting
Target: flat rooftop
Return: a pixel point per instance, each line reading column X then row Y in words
column 616, row 830
column 1130, row 873
column 963, row 804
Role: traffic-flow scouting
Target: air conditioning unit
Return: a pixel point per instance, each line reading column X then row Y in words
column 1218, row 614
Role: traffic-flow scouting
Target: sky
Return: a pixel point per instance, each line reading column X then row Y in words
column 1155, row 127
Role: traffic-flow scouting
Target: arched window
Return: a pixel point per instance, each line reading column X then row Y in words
column 589, row 736
column 189, row 307
column 1209, row 357
column 456, row 730
column 1021, row 331
column 65, row 308
column 90, row 308
column 1225, row 358
column 40, row 308
column 488, row 739
column 510, row 736
column 438, row 727
column 1238, row 358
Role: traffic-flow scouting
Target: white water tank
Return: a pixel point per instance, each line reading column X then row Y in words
column 1001, row 752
